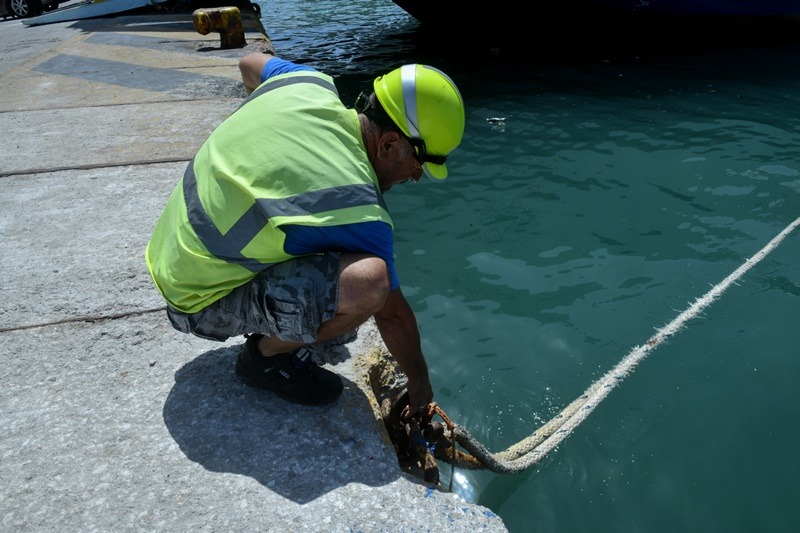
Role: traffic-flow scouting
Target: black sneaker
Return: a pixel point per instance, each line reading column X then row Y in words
column 292, row 376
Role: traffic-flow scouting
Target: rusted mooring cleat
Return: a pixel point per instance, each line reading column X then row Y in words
column 416, row 438
column 225, row 20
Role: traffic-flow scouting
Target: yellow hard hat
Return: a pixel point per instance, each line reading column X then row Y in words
column 426, row 105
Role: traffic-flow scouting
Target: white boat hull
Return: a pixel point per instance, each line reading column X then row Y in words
column 89, row 9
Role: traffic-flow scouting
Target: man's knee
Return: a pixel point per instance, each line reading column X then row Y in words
column 363, row 281
column 378, row 281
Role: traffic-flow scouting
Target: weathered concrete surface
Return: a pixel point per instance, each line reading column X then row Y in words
column 111, row 420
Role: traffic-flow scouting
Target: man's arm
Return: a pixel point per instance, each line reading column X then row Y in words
column 398, row 328
column 254, row 69
column 251, row 66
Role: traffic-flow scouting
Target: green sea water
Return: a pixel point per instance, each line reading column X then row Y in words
column 593, row 199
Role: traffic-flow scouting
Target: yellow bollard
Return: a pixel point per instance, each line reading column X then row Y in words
column 225, row 20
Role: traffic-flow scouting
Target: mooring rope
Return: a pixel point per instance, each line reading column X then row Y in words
column 531, row 450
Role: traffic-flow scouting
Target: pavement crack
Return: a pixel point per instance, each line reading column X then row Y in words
column 91, row 318
column 30, row 171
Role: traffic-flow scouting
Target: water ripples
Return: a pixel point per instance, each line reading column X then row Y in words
column 589, row 203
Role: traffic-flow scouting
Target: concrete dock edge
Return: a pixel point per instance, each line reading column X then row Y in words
column 111, row 420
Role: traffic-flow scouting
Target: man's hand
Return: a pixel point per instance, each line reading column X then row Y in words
column 420, row 395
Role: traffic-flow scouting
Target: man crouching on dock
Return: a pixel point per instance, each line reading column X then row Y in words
column 278, row 230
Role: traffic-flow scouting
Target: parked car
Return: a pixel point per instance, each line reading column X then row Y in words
column 25, row 8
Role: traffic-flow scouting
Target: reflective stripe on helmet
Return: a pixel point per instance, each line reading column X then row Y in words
column 408, row 75
column 408, row 78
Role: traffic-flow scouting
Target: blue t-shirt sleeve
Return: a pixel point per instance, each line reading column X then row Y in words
column 374, row 238
column 276, row 66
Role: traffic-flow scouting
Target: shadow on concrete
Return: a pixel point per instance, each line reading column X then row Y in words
column 296, row 451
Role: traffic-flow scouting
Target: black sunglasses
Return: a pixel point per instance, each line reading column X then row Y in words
column 421, row 153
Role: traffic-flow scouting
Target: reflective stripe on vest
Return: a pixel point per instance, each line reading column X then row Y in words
column 283, row 82
column 229, row 246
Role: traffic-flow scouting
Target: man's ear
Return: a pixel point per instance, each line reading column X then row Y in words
column 388, row 142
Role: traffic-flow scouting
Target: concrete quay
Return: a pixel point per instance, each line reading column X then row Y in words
column 109, row 419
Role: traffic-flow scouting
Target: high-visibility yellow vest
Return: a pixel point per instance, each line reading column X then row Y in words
column 291, row 154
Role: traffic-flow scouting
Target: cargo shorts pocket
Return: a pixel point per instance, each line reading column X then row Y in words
column 291, row 307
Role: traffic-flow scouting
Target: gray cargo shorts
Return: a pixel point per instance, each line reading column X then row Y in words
column 288, row 300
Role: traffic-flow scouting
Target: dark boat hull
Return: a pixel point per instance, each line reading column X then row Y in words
column 604, row 23
column 444, row 11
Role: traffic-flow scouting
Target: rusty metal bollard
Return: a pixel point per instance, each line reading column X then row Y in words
column 225, row 20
